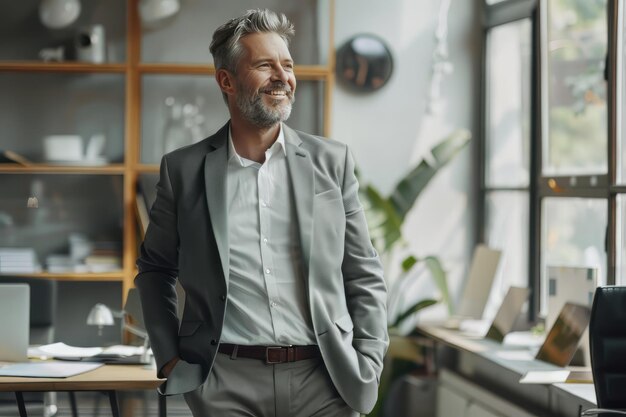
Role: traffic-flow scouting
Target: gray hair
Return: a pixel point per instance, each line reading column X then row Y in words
column 225, row 46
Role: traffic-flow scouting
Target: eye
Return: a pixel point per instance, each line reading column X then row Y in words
column 288, row 66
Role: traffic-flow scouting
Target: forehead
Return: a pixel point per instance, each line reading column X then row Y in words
column 265, row 44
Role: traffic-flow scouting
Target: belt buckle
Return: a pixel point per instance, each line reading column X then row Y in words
column 267, row 355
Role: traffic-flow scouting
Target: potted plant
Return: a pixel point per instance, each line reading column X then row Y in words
column 385, row 217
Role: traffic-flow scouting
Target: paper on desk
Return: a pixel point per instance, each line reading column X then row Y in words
column 123, row 350
column 544, row 377
column 515, row 355
column 61, row 350
column 51, row 369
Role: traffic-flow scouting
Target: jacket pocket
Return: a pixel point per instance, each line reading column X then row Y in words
column 327, row 195
column 345, row 323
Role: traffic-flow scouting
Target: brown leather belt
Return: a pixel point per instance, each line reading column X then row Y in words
column 271, row 354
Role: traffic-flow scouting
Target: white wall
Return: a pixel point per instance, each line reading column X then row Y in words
column 389, row 132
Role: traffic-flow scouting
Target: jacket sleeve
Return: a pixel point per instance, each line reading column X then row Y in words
column 366, row 292
column 158, row 272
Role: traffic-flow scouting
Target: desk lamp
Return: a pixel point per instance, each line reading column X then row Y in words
column 101, row 315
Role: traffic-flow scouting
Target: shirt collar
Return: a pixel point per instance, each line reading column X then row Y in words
column 279, row 144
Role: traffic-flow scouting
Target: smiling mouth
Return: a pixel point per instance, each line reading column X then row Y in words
column 277, row 93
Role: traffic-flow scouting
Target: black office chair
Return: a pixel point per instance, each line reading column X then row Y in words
column 607, row 342
column 43, row 305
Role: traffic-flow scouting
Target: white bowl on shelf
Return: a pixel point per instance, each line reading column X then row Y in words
column 63, row 148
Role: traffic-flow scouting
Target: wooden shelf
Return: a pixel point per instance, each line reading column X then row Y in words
column 26, row 66
column 303, row 72
column 63, row 169
column 131, row 70
column 71, row 276
column 148, row 168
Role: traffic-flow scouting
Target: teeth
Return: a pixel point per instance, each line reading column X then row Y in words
column 277, row 93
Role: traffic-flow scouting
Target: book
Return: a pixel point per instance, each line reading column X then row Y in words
column 144, row 198
column 14, row 157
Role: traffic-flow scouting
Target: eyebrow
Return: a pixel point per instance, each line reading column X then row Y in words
column 258, row 61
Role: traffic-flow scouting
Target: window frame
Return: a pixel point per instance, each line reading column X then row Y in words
column 584, row 186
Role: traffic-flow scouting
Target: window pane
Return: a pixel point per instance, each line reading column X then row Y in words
column 185, row 38
column 621, row 98
column 508, row 104
column 576, row 141
column 507, row 230
column 573, row 234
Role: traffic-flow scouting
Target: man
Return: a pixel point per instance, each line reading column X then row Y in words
column 285, row 298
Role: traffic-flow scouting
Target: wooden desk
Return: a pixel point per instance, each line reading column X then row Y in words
column 108, row 378
column 481, row 372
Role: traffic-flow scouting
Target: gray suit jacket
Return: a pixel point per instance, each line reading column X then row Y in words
column 188, row 239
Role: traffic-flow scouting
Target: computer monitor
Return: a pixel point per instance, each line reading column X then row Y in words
column 569, row 284
column 479, row 280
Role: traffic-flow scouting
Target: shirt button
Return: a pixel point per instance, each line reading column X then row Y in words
column 263, row 203
column 267, row 270
column 264, row 240
column 273, row 304
column 214, row 342
column 223, row 298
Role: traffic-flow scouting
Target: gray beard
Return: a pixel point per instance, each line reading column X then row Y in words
column 252, row 108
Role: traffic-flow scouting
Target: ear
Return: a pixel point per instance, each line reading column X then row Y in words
column 226, row 81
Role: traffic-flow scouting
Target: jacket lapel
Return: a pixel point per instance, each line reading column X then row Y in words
column 215, row 173
column 302, row 183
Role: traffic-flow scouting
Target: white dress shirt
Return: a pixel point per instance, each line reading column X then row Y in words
column 267, row 301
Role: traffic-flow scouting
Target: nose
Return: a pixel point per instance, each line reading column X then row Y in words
column 279, row 74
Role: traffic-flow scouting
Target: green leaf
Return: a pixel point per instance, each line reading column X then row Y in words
column 408, row 263
column 440, row 279
column 413, row 309
column 409, row 188
column 382, row 220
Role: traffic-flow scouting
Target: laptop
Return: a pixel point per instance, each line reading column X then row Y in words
column 562, row 340
column 507, row 314
column 478, row 286
column 565, row 335
column 15, row 323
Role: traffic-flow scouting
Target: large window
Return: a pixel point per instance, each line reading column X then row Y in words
column 553, row 189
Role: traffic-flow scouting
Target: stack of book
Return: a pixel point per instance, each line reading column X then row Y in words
column 104, row 257
column 18, row 261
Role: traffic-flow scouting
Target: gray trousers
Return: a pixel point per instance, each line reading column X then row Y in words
column 248, row 387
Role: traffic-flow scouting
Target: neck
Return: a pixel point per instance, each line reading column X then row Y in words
column 251, row 141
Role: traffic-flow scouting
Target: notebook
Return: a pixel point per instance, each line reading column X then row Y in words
column 507, row 313
column 15, row 322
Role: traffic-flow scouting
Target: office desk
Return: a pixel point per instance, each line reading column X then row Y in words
column 479, row 369
column 107, row 378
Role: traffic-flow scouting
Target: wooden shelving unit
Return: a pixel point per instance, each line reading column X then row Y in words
column 133, row 70
column 92, row 276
